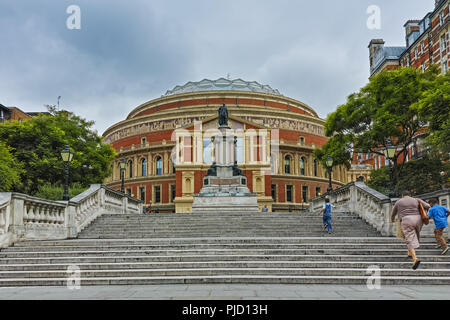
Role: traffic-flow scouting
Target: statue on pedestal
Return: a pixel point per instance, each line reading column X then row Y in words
column 223, row 116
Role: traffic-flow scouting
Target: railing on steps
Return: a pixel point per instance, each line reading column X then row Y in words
column 23, row 217
column 372, row 206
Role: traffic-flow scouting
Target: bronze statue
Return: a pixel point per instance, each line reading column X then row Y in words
column 223, row 116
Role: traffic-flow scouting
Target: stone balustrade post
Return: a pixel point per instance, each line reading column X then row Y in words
column 16, row 226
column 124, row 205
column 71, row 226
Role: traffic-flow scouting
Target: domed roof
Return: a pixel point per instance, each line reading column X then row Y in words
column 223, row 84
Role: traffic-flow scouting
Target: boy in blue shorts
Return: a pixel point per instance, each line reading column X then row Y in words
column 327, row 215
column 439, row 215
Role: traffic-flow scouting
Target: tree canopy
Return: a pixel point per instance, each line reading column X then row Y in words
column 434, row 106
column 36, row 144
column 387, row 107
column 10, row 169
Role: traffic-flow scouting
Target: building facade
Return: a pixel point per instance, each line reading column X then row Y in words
column 166, row 145
column 427, row 42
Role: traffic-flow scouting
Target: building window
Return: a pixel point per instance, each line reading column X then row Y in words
column 444, row 66
column 142, row 193
column 415, row 54
column 441, row 17
column 287, row 165
column 302, row 166
column 424, row 66
column 172, row 192
column 129, row 192
column 274, row 192
column 302, row 140
column 318, row 191
column 422, row 47
column 158, row 166
column 289, row 193
column 144, row 167
column 157, row 194
column 443, row 43
column 408, row 61
column 315, row 167
column 305, row 193
column 174, row 170
column 130, row 169
column 144, row 141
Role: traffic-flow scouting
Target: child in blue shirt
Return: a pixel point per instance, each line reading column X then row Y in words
column 439, row 215
column 327, row 215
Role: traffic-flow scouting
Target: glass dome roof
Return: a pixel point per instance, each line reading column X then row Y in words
column 223, row 84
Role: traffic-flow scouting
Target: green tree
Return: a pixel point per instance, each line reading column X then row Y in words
column 434, row 106
column 10, row 169
column 384, row 108
column 418, row 176
column 37, row 144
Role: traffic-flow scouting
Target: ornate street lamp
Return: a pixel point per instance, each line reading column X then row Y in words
column 66, row 156
column 123, row 166
column 329, row 163
column 389, row 153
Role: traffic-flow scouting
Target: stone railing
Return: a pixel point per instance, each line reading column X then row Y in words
column 371, row 205
column 23, row 217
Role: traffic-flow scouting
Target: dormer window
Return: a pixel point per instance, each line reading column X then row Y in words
column 441, row 18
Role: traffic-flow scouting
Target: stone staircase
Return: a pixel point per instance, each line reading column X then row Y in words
column 287, row 248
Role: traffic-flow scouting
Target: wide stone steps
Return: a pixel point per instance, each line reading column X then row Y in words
column 216, row 224
column 219, row 260
column 222, row 248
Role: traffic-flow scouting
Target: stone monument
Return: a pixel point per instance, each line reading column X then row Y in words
column 224, row 186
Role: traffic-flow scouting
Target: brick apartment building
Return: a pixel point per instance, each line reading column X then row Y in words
column 427, row 42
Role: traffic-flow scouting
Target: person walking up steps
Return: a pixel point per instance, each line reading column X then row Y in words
column 327, row 215
column 407, row 210
column 439, row 214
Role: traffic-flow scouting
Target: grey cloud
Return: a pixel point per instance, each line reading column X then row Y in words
column 129, row 52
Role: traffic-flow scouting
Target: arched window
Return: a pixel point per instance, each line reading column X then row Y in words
column 130, row 169
column 315, row 167
column 302, row 166
column 287, row 164
column 158, row 166
column 144, row 167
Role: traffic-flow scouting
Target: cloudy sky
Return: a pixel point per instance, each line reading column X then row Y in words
column 129, row 52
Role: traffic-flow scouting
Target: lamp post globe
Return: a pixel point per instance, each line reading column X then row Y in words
column 389, row 153
column 329, row 163
column 123, row 165
column 66, row 156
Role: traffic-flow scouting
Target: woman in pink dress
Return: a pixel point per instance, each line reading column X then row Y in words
column 407, row 210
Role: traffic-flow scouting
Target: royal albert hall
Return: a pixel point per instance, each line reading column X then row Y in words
column 166, row 146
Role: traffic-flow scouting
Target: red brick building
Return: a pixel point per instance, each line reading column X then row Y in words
column 427, row 42
column 166, row 145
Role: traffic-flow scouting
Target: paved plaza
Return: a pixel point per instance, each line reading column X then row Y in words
column 227, row 292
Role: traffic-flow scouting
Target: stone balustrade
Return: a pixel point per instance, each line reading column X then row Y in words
column 24, row 217
column 371, row 205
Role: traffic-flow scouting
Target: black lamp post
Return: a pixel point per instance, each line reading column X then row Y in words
column 389, row 153
column 66, row 156
column 329, row 163
column 123, row 165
